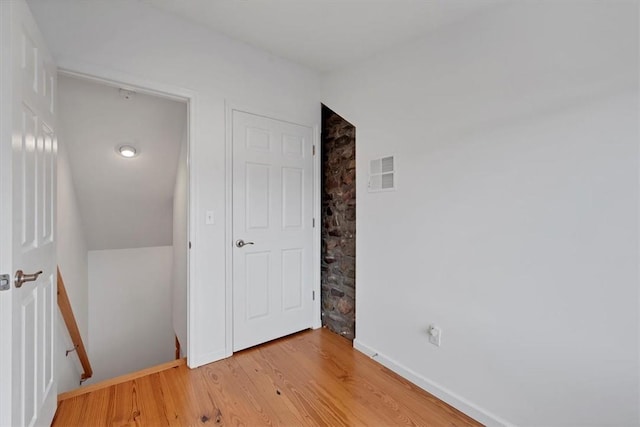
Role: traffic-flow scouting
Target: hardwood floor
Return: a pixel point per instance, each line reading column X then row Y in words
column 308, row 379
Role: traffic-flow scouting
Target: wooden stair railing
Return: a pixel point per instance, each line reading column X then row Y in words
column 72, row 327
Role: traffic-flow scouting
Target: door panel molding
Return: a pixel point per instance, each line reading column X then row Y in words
column 28, row 146
column 267, row 189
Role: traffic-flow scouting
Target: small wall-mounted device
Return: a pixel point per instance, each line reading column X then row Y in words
column 209, row 218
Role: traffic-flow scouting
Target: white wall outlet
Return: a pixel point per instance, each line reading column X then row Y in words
column 435, row 334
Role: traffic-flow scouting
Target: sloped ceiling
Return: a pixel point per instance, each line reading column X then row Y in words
column 323, row 35
column 124, row 203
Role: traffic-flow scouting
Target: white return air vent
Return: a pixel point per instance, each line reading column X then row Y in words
column 382, row 174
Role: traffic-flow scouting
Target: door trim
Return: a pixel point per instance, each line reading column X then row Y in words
column 6, row 214
column 123, row 80
column 289, row 117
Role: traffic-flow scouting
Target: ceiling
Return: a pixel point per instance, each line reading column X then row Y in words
column 324, row 35
column 127, row 203
column 124, row 203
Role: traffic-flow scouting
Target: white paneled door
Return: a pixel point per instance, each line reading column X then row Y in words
column 27, row 221
column 272, row 229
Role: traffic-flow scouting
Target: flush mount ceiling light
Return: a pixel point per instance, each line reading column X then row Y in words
column 127, row 151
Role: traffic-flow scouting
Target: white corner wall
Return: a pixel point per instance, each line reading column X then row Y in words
column 71, row 250
column 514, row 226
column 129, row 302
column 144, row 45
column 180, row 247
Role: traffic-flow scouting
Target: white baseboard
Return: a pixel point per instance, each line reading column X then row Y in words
column 442, row 393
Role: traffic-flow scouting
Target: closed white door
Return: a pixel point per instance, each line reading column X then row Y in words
column 28, row 192
column 272, row 229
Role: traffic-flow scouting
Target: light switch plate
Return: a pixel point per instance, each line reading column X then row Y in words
column 209, row 218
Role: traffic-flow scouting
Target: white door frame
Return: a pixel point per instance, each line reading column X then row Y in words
column 291, row 117
column 104, row 75
column 6, row 216
column 122, row 80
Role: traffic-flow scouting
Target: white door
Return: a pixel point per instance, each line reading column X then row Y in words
column 27, row 220
column 272, row 215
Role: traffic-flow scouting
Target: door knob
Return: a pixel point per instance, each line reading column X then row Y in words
column 240, row 243
column 21, row 278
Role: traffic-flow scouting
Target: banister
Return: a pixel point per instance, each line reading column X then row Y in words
column 72, row 327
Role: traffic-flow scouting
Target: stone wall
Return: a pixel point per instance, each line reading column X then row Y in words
column 338, row 224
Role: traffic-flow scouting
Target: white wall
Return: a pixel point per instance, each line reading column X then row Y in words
column 71, row 250
column 133, row 40
column 180, row 243
column 68, row 367
column 129, row 302
column 514, row 226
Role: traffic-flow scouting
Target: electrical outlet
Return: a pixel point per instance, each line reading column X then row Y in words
column 435, row 335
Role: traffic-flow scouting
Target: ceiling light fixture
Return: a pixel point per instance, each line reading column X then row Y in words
column 127, row 151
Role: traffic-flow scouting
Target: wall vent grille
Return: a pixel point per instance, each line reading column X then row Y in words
column 382, row 174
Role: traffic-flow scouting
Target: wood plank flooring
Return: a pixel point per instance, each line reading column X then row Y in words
column 314, row 378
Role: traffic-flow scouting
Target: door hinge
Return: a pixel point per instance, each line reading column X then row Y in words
column 189, row 245
column 313, row 295
column 5, row 282
column 313, row 221
column 314, row 150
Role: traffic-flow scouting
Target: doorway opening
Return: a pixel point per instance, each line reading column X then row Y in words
column 338, row 219
column 123, row 222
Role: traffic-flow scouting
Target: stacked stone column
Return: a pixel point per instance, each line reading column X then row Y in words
column 338, row 224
